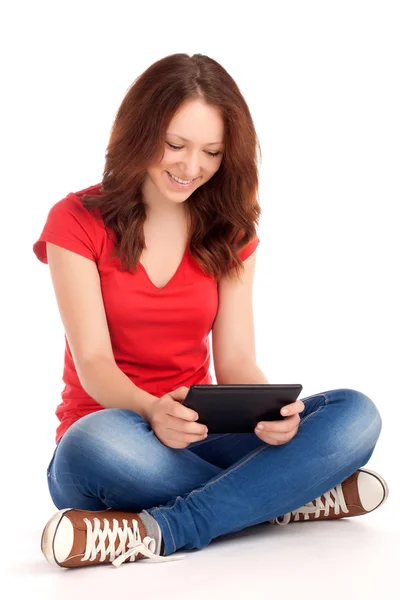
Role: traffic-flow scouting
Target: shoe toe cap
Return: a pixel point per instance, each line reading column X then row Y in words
column 63, row 540
column 371, row 490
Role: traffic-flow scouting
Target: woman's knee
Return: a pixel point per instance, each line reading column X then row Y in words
column 97, row 438
column 112, row 456
column 363, row 415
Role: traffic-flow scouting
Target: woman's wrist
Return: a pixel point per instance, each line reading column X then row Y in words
column 148, row 405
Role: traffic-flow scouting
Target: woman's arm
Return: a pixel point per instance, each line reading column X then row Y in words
column 104, row 381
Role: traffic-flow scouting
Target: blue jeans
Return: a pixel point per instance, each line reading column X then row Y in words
column 112, row 459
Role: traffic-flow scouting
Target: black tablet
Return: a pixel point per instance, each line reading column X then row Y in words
column 238, row 408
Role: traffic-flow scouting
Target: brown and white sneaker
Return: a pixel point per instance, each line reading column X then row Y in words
column 361, row 493
column 79, row 538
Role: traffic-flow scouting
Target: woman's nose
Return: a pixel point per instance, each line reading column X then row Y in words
column 191, row 166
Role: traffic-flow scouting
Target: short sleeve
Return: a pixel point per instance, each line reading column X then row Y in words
column 69, row 225
column 249, row 248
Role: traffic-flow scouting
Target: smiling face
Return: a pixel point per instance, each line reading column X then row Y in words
column 192, row 153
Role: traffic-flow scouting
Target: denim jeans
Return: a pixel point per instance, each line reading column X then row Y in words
column 225, row 483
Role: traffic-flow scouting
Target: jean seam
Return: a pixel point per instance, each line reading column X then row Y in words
column 73, row 483
column 168, row 525
column 316, row 396
column 308, row 416
column 315, row 411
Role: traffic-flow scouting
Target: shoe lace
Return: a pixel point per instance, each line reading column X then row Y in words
column 130, row 542
column 332, row 499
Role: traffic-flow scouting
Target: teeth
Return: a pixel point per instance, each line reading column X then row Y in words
column 180, row 180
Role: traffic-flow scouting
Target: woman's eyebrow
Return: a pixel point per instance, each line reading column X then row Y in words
column 185, row 140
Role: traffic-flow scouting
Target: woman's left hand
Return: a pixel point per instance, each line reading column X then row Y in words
column 277, row 433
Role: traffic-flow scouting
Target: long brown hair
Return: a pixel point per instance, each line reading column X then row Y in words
column 223, row 212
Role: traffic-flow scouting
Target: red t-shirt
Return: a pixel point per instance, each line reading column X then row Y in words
column 160, row 337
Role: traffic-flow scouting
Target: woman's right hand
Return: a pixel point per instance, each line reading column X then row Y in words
column 172, row 423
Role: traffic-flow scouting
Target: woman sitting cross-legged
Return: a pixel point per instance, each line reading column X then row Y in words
column 145, row 265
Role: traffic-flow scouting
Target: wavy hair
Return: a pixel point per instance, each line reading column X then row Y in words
column 223, row 212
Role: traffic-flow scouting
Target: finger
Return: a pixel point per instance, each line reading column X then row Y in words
column 279, row 426
column 294, row 407
column 275, row 439
column 193, row 428
column 182, row 426
column 179, row 440
column 183, row 412
column 185, row 438
column 180, row 393
column 178, row 436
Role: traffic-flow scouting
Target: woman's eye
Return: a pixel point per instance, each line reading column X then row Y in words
column 213, row 154
column 174, row 147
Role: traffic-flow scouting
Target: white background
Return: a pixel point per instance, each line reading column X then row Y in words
column 322, row 83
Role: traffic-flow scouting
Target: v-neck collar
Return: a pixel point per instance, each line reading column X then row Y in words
column 174, row 276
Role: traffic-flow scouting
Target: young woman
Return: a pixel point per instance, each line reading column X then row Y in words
column 144, row 266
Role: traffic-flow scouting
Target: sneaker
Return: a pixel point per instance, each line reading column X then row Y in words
column 79, row 538
column 362, row 492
